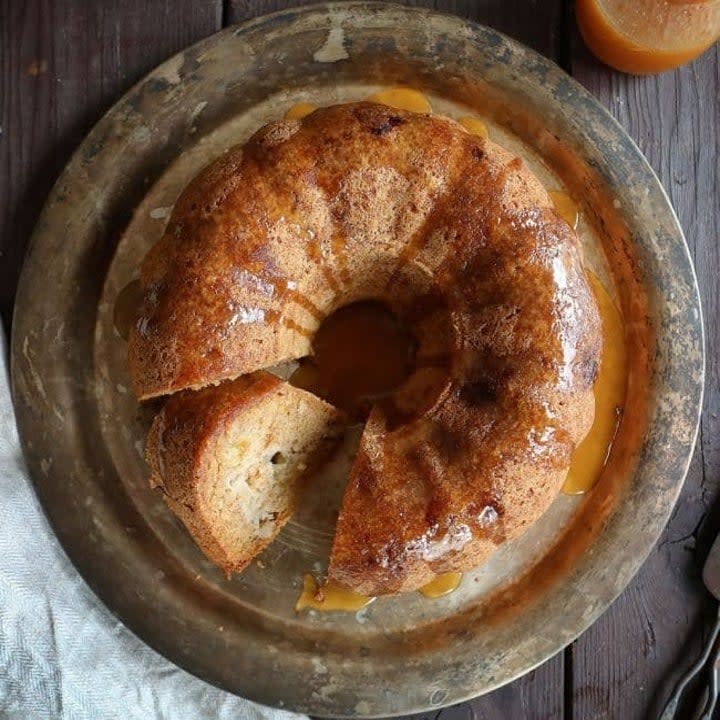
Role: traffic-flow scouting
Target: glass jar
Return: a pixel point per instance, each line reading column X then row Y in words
column 648, row 36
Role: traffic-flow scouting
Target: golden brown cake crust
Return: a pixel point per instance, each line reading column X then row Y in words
column 266, row 241
column 459, row 237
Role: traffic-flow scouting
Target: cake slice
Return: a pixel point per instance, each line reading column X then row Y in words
column 230, row 460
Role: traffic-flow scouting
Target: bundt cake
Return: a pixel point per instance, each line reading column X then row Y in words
column 362, row 201
column 231, row 459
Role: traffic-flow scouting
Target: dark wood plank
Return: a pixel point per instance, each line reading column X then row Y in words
column 539, row 695
column 625, row 665
column 61, row 65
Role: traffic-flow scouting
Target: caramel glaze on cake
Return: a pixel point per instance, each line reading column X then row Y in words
column 460, row 239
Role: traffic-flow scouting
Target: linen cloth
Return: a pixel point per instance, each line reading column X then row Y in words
column 63, row 655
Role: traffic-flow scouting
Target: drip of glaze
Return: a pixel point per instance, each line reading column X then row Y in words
column 314, row 253
column 403, row 98
column 300, row 110
column 127, row 306
column 305, row 303
column 474, row 126
column 592, row 453
column 441, row 585
column 296, row 327
column 565, row 207
column 329, row 597
column 339, row 248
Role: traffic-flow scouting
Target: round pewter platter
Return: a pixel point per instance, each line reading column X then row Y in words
column 83, row 433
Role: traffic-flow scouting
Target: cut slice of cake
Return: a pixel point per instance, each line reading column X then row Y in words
column 231, row 459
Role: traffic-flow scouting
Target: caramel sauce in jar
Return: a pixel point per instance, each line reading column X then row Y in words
column 648, row 36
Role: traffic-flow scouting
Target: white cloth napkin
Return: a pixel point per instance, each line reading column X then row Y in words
column 63, row 656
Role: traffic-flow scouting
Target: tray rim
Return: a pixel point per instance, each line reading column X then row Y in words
column 20, row 396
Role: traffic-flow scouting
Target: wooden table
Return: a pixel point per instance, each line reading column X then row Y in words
column 63, row 63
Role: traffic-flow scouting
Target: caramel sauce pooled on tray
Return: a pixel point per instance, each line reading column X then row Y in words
column 648, row 36
column 329, row 597
column 565, row 207
column 592, row 453
column 441, row 585
column 403, row 99
column 300, row 110
column 474, row 126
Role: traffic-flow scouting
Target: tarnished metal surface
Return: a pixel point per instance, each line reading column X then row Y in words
column 83, row 433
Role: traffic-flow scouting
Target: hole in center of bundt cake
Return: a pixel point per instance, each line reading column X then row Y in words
column 362, row 353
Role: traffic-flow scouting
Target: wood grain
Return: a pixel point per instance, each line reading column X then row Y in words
column 62, row 64
column 625, row 665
